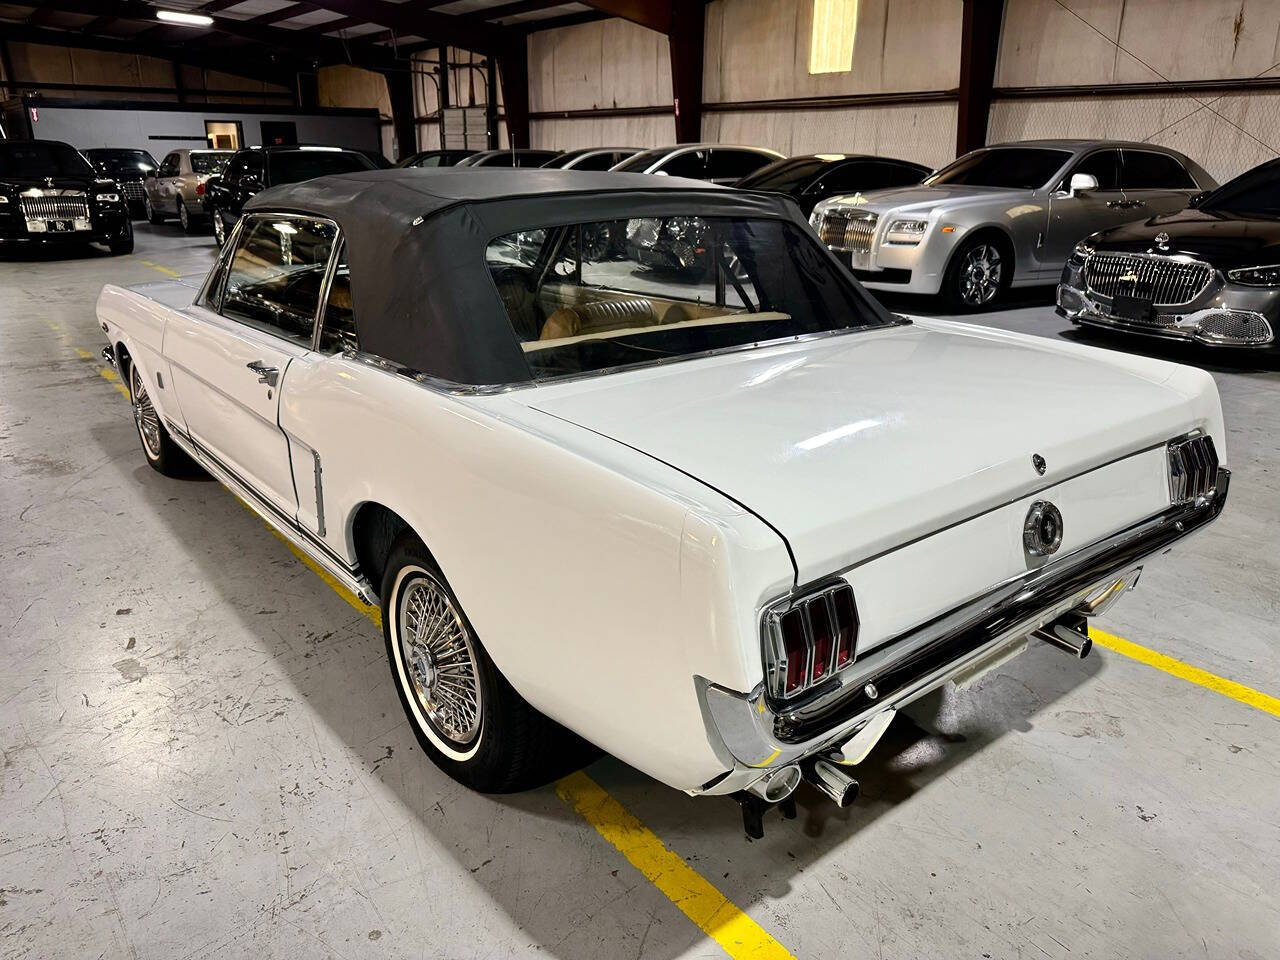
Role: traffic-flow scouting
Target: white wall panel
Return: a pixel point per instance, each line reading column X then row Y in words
column 924, row 133
column 608, row 63
column 603, row 132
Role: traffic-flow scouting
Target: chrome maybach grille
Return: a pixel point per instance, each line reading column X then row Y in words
column 1171, row 281
column 1193, row 469
column 55, row 208
column 850, row 233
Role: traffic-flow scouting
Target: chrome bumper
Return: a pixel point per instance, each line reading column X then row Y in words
column 751, row 736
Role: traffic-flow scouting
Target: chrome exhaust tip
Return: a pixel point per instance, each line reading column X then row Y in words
column 776, row 786
column 832, row 780
column 1069, row 634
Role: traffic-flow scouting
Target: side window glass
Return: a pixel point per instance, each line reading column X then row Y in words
column 735, row 163
column 232, row 173
column 1154, row 171
column 253, row 168
column 1104, row 165
column 692, row 164
column 274, row 277
column 170, row 166
column 338, row 330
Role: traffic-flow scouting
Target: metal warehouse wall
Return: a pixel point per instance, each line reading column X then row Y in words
column 605, row 65
column 1043, row 44
column 162, row 130
column 759, row 50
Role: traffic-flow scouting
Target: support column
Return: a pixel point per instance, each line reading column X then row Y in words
column 513, row 67
column 400, row 89
column 491, row 102
column 688, row 29
column 979, row 47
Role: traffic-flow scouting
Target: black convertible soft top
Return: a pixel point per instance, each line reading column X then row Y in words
column 416, row 240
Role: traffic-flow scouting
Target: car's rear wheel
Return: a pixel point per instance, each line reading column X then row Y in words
column 468, row 719
column 219, row 229
column 161, row 452
column 978, row 275
column 153, row 215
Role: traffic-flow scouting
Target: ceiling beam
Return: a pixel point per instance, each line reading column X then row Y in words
column 510, row 10
column 284, row 13
column 654, row 14
column 412, row 18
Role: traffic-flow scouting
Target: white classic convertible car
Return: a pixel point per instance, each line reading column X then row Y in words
column 720, row 516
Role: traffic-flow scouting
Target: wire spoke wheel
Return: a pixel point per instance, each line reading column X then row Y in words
column 144, row 413
column 981, row 273
column 439, row 659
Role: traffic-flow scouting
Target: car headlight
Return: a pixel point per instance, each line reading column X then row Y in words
column 3, row 198
column 107, row 197
column 1256, row 276
column 906, row 231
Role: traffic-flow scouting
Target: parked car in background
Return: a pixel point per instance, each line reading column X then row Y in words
column 719, row 163
column 129, row 168
column 1003, row 216
column 436, row 158
column 806, row 180
column 253, row 169
column 591, row 158
column 508, row 158
column 1210, row 273
column 177, row 187
column 722, row 527
column 49, row 193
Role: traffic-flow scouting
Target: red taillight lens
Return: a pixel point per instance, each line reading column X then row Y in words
column 811, row 639
column 199, row 189
column 796, row 651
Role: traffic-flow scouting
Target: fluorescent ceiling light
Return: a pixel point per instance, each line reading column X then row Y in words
column 186, row 19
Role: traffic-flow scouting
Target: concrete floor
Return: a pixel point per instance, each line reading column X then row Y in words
column 203, row 755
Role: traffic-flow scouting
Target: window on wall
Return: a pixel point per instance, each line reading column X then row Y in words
column 835, row 24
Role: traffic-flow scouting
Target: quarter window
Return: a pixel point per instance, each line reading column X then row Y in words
column 275, row 275
column 1154, row 171
column 338, row 331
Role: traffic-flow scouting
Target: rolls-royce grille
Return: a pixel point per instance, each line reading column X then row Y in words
column 1193, row 469
column 809, row 640
column 849, row 233
column 132, row 189
column 55, row 208
column 1169, row 281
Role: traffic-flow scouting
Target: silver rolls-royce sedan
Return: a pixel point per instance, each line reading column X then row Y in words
column 1003, row 216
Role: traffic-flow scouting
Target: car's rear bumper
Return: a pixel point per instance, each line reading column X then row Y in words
column 755, row 737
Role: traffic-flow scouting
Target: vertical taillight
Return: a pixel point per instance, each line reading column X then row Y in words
column 810, row 638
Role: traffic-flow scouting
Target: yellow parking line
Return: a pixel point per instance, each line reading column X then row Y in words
column 714, row 913
column 1185, row 671
column 168, row 271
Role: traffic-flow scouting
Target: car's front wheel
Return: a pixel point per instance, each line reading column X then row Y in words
column 123, row 244
column 219, row 229
column 153, row 216
column 978, row 275
column 184, row 216
column 161, row 452
column 468, row 719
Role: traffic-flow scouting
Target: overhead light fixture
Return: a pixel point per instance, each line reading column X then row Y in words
column 834, row 27
column 185, row 19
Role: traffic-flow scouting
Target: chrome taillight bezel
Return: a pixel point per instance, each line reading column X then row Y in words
column 1193, row 469
column 835, row 601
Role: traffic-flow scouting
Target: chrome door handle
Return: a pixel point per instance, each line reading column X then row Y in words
column 267, row 375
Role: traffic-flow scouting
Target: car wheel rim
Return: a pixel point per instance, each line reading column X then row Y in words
column 144, row 414
column 980, row 275
column 146, row 203
column 218, row 229
column 439, row 660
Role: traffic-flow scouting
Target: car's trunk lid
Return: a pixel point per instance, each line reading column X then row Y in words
column 853, row 445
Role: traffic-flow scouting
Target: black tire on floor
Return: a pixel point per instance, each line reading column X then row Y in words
column 163, row 455
column 979, row 274
column 124, row 244
column 505, row 745
column 153, row 215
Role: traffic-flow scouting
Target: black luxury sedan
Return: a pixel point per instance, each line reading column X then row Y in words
column 1209, row 274
column 49, row 193
column 253, row 169
column 129, row 168
column 818, row 176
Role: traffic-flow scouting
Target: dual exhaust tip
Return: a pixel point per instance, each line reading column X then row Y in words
column 826, row 776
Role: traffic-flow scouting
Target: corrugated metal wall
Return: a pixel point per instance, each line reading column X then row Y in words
column 1043, row 44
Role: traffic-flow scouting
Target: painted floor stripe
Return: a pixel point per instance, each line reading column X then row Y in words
column 167, row 271
column 1185, row 671
column 717, row 916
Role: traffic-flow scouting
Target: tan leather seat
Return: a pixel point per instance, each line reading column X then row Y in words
column 563, row 323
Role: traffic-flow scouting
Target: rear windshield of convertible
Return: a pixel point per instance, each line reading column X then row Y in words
column 596, row 296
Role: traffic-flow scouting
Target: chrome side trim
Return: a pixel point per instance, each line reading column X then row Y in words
column 748, row 727
column 281, row 523
column 319, row 471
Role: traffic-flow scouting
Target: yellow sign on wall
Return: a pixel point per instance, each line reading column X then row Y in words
column 835, row 23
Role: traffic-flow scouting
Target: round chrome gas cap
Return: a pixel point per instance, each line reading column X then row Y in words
column 1042, row 530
